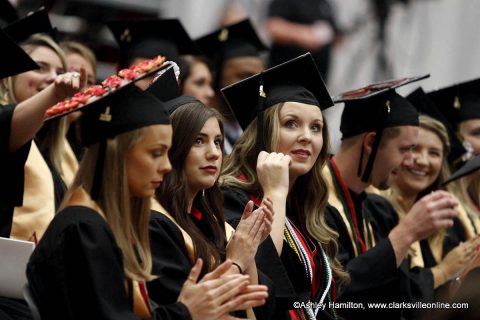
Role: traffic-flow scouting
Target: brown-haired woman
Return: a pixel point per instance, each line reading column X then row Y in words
column 196, row 78
column 188, row 223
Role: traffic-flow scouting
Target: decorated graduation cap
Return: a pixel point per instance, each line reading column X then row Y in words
column 8, row 14
column 236, row 40
column 37, row 22
column 470, row 166
column 425, row 105
column 459, row 102
column 374, row 108
column 296, row 80
column 148, row 38
column 12, row 52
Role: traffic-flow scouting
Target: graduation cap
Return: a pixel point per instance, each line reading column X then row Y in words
column 459, row 102
column 8, row 14
column 296, row 80
column 469, row 167
column 165, row 88
column 37, row 22
column 11, row 52
column 236, row 40
column 374, row 108
column 148, row 38
column 425, row 105
column 124, row 110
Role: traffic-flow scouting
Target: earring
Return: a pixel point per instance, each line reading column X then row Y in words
column 203, row 193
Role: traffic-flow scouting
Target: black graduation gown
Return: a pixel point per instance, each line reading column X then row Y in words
column 76, row 271
column 374, row 275
column 286, row 272
column 12, row 172
column 171, row 262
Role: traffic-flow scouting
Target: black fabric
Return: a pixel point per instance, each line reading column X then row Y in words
column 236, row 40
column 469, row 167
column 305, row 12
column 76, row 271
column 12, row 52
column 147, row 38
column 37, row 22
column 286, row 272
column 124, row 110
column 165, row 87
column 14, row 309
column 458, row 102
column 8, row 13
column 374, row 275
column 297, row 80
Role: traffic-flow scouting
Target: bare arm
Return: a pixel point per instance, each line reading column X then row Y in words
column 28, row 116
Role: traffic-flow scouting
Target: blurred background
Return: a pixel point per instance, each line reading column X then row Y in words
column 373, row 40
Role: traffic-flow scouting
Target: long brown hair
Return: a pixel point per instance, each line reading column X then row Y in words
column 309, row 193
column 127, row 216
column 187, row 122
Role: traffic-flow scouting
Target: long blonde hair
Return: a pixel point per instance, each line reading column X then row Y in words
column 243, row 159
column 127, row 216
column 51, row 137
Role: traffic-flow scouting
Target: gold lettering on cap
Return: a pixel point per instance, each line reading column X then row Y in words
column 126, row 36
column 387, row 104
column 223, row 35
column 261, row 92
column 106, row 116
column 456, row 103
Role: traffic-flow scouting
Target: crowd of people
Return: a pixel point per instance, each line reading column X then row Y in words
column 208, row 189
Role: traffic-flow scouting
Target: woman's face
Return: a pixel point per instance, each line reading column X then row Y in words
column 424, row 169
column 470, row 131
column 76, row 61
column 27, row 84
column 300, row 135
column 204, row 161
column 147, row 161
column 199, row 83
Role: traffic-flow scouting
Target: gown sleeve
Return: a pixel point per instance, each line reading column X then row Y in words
column 171, row 263
column 77, row 272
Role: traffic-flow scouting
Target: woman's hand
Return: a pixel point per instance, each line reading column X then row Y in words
column 456, row 262
column 69, row 83
column 243, row 244
column 272, row 172
column 218, row 294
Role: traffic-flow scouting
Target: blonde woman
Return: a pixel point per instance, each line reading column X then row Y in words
column 424, row 174
column 299, row 255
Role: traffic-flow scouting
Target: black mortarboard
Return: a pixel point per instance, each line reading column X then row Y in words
column 124, row 110
column 236, row 40
column 374, row 108
column 11, row 52
column 425, row 105
column 469, row 167
column 8, row 14
column 165, row 88
column 37, row 22
column 148, row 38
column 297, row 80
column 458, row 102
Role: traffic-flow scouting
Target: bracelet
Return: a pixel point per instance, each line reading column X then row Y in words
column 238, row 266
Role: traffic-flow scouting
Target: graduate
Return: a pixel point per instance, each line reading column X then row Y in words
column 425, row 173
column 279, row 157
column 235, row 53
column 51, row 163
column 460, row 105
column 95, row 257
column 379, row 129
column 187, row 221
